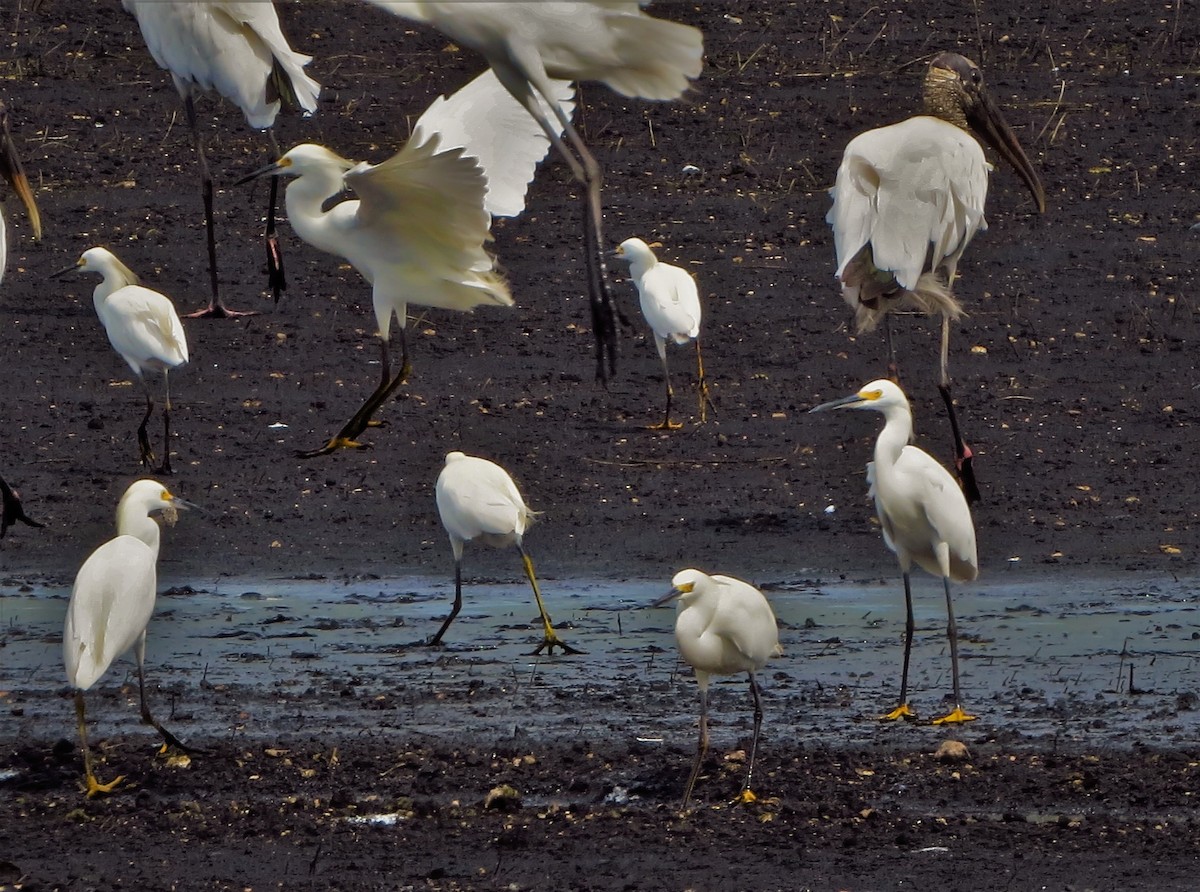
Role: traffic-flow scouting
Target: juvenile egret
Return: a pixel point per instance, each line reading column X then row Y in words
column 612, row 41
column 14, row 174
column 111, row 605
column 724, row 626
column 11, row 509
column 417, row 229
column 144, row 328
column 477, row 499
column 237, row 48
column 907, row 201
column 671, row 305
column 924, row 517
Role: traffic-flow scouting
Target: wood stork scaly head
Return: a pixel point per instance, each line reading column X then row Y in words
column 954, row 92
column 11, row 170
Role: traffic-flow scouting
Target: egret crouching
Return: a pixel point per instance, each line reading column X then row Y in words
column 924, row 517
column 724, row 626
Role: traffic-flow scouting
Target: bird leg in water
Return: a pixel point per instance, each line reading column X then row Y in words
column 142, row 437
column 963, row 456
column 957, row 715
column 747, row 795
column 706, row 402
column 549, row 640
column 215, row 309
column 667, row 424
column 276, row 279
column 904, row 711
column 91, row 785
column 147, row 718
column 11, row 509
column 437, row 639
column 701, row 749
column 347, row 437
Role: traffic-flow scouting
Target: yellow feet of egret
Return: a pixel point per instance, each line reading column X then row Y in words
column 957, row 717
column 665, row 425
column 333, row 445
column 746, row 797
column 903, row 711
column 550, row 642
column 93, row 787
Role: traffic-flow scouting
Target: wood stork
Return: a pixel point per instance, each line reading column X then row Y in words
column 723, row 627
column 923, row 514
column 417, row 229
column 111, row 605
column 14, row 174
column 671, row 304
column 477, row 499
column 908, row 200
column 612, row 41
column 237, row 48
column 144, row 328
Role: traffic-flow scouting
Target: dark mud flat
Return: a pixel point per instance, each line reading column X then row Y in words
column 1076, row 372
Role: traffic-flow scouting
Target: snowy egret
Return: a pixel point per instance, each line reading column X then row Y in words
column 144, row 328
column 111, row 605
column 724, row 626
column 11, row 170
column 11, row 509
column 671, row 305
column 611, row 41
column 477, row 499
column 238, row 49
column 923, row 514
column 907, row 201
column 417, row 229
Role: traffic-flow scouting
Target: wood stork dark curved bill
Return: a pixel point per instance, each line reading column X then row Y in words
column 908, row 200
column 923, row 514
column 14, row 174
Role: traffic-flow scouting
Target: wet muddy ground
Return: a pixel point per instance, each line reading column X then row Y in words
column 315, row 705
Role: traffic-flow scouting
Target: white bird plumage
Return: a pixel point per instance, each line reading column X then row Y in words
column 416, row 230
column 111, row 605
column 671, row 304
column 477, row 499
column 723, row 626
column 923, row 514
column 612, row 41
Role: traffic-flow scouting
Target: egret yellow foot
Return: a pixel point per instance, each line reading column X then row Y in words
column 93, row 787
column 667, row 425
column 903, row 711
column 334, row 444
column 550, row 642
column 745, row 797
column 955, row 717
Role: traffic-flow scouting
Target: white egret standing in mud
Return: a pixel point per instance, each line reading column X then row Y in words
column 144, row 328
column 671, row 304
column 907, row 202
column 237, row 48
column 477, row 499
column 530, row 43
column 417, row 227
column 724, row 626
column 924, row 517
column 111, row 604
column 11, row 170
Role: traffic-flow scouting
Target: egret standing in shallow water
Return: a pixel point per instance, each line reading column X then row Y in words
column 477, row 499
column 144, row 328
column 671, row 305
column 724, row 626
column 418, row 224
column 530, row 43
column 908, row 200
column 14, row 174
column 924, row 517
column 111, row 605
column 237, row 48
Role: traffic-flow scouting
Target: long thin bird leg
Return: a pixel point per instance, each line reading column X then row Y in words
column 216, row 309
column 437, row 639
column 706, row 402
column 276, row 279
column 893, row 368
column 165, row 467
column 91, row 785
column 903, row 711
column 701, row 749
column 549, row 639
column 148, row 719
column 667, row 424
column 11, row 509
column 347, row 437
column 963, row 456
column 747, row 795
column 142, row 436
column 957, row 715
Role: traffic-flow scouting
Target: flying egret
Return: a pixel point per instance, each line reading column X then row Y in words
column 11, row 170
column 923, row 514
column 144, row 328
column 907, row 201
column 417, row 228
column 111, row 605
column 671, row 305
column 612, row 41
column 724, row 626
column 11, row 509
column 237, row 48
column 477, row 499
